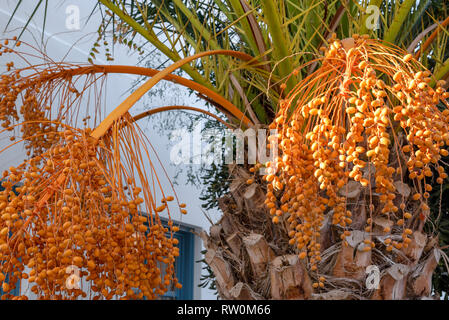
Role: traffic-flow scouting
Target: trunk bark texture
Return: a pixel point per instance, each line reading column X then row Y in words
column 252, row 259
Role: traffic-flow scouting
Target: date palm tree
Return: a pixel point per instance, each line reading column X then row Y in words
column 313, row 226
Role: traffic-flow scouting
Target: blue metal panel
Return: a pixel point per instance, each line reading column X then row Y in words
column 184, row 265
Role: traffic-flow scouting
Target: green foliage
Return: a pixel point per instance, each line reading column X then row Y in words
column 216, row 184
column 207, row 280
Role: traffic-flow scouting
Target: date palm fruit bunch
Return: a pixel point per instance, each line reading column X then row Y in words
column 72, row 213
column 369, row 115
column 41, row 96
column 71, row 221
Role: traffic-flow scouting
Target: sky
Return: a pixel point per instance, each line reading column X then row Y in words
column 63, row 41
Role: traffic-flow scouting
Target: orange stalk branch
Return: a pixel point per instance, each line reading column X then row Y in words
column 169, row 108
column 136, row 95
column 142, row 71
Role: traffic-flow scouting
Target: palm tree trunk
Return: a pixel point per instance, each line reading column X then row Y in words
column 252, row 259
